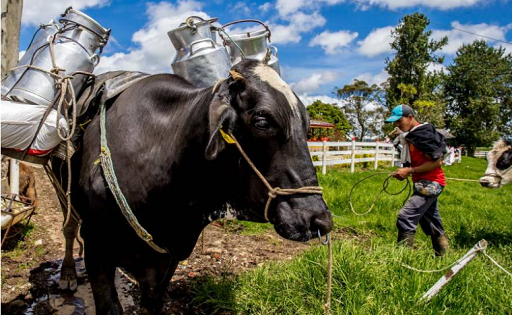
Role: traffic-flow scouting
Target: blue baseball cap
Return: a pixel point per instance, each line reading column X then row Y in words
column 399, row 112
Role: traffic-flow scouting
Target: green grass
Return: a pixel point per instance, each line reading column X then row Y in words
column 367, row 275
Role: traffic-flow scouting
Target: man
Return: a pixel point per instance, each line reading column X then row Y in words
column 426, row 148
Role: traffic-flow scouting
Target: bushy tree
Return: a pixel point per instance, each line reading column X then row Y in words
column 409, row 80
column 361, row 105
column 330, row 113
column 478, row 91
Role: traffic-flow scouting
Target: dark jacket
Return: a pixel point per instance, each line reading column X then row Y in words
column 428, row 140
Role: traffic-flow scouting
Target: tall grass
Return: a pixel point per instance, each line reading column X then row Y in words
column 367, row 275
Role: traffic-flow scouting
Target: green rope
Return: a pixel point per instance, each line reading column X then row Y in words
column 110, row 176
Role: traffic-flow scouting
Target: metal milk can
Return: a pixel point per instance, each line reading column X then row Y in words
column 199, row 58
column 77, row 44
column 251, row 45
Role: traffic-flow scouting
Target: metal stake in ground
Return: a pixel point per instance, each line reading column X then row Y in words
column 453, row 271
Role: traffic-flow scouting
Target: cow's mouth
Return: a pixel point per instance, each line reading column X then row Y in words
column 303, row 225
column 489, row 183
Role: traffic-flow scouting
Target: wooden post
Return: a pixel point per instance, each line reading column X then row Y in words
column 376, row 162
column 11, row 22
column 324, row 157
column 353, row 155
column 14, row 176
column 453, row 271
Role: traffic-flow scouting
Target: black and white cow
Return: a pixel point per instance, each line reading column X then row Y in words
column 499, row 164
column 178, row 173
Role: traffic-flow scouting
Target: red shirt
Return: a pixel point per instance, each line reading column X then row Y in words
column 418, row 158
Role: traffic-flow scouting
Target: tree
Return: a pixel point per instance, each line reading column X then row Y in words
column 409, row 80
column 361, row 106
column 329, row 113
column 478, row 91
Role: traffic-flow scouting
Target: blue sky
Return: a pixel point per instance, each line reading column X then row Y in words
column 322, row 43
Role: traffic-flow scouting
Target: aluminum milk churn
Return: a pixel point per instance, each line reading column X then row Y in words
column 77, row 43
column 199, row 58
column 251, row 44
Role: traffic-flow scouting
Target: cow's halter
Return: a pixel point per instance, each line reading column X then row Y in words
column 272, row 192
column 496, row 173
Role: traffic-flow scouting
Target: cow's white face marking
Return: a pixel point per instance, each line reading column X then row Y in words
column 492, row 158
column 268, row 75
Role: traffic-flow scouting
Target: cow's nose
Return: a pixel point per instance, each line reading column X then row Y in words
column 322, row 222
column 484, row 182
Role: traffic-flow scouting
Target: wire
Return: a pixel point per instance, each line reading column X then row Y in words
column 432, row 22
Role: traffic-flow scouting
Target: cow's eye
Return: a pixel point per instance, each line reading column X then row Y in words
column 261, row 123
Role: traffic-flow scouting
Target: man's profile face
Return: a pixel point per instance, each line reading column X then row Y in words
column 405, row 123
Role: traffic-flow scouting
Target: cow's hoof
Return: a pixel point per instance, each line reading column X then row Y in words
column 68, row 281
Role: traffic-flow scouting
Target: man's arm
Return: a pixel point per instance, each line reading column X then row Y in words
column 404, row 172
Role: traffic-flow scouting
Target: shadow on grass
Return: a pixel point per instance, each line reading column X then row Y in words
column 213, row 295
column 466, row 238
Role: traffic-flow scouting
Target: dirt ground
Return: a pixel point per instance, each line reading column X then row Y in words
column 30, row 266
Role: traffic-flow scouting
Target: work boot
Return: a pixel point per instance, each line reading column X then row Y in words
column 440, row 244
column 406, row 239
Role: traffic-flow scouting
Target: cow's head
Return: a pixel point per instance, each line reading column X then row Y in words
column 499, row 164
column 270, row 123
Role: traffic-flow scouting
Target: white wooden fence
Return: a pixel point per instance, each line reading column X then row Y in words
column 481, row 154
column 335, row 153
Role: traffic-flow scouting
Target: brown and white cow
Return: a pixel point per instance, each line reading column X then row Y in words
column 499, row 164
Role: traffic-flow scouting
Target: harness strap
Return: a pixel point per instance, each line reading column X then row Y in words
column 272, row 192
column 110, row 176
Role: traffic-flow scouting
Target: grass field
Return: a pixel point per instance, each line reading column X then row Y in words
column 367, row 275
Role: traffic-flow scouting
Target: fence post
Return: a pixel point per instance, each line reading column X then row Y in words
column 353, row 155
column 324, row 157
column 393, row 152
column 376, row 162
column 14, row 166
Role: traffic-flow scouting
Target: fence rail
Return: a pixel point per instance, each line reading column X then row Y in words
column 336, row 153
column 481, row 154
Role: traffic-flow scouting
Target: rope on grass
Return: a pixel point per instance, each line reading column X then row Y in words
column 494, row 262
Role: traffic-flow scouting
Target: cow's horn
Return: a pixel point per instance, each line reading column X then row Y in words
column 236, row 75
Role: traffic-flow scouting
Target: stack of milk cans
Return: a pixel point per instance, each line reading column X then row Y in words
column 28, row 92
column 203, row 61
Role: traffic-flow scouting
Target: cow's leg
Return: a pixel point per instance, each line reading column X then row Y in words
column 68, row 276
column 153, row 281
column 101, row 273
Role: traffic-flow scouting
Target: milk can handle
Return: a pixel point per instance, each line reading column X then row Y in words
column 95, row 59
column 242, row 21
column 274, row 48
column 192, row 52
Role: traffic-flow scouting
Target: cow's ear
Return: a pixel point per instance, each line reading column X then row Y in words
column 221, row 115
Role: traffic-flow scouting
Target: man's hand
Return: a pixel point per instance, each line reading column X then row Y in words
column 402, row 173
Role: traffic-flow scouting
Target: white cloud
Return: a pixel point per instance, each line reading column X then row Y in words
column 436, row 67
column 332, row 43
column 37, row 12
column 286, row 7
column 310, row 99
column 265, row 6
column 240, row 7
column 457, row 38
column 153, row 52
column 438, row 4
column 377, row 42
column 313, row 82
column 373, row 78
column 299, row 23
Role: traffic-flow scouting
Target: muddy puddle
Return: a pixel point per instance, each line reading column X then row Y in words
column 45, row 297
